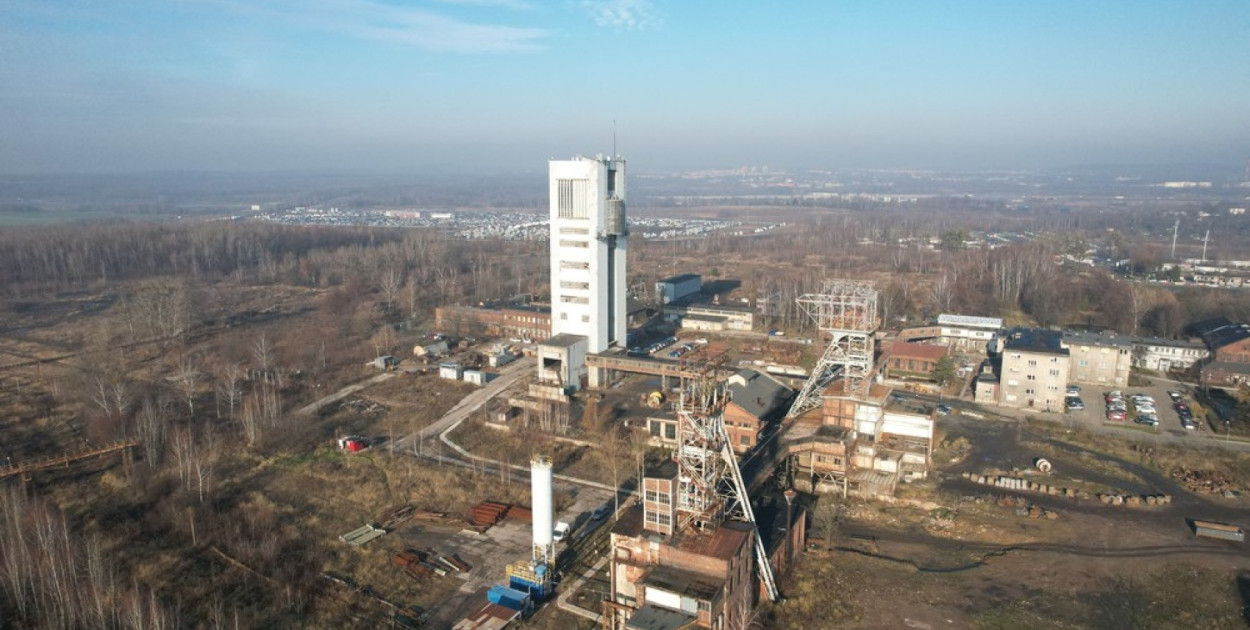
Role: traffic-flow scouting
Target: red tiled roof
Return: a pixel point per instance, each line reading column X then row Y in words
column 917, row 351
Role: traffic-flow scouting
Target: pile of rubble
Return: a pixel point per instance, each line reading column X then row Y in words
column 421, row 563
column 1023, row 506
column 1208, row 481
column 363, row 406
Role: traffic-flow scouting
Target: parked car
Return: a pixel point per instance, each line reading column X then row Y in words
column 1075, row 404
column 561, row 531
column 1074, row 389
column 1147, row 419
column 943, row 409
column 601, row 512
column 1189, row 423
column 1116, row 415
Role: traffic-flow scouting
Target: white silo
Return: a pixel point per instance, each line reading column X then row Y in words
column 540, row 490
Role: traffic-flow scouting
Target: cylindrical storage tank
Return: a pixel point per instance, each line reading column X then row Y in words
column 540, row 490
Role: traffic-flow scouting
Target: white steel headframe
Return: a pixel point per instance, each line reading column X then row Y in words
column 700, row 431
column 845, row 312
column 710, row 484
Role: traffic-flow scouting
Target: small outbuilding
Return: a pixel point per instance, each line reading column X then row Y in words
column 450, row 370
column 385, row 362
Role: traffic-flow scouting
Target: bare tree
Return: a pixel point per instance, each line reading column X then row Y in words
column 613, row 449
column 389, row 283
column 183, row 446
column 152, row 422
column 188, row 375
column 229, row 386
column 1137, row 303
column 263, row 353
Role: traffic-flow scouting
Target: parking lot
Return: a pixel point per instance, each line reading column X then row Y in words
column 1094, row 414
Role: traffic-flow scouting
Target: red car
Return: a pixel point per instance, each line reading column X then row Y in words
column 1117, row 415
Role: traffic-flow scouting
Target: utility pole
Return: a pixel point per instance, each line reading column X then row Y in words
column 1204, row 244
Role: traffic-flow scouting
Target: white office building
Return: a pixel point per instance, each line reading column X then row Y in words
column 589, row 235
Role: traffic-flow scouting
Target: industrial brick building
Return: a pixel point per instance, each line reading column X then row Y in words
column 1228, row 342
column 757, row 401
column 904, row 359
column 664, row 577
column 524, row 322
column 860, row 443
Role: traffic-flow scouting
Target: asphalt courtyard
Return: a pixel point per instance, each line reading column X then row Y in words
column 1094, row 416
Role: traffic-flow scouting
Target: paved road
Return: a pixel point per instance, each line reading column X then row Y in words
column 1093, row 420
column 509, row 375
column 309, row 410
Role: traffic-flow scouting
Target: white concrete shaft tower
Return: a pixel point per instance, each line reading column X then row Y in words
column 588, row 244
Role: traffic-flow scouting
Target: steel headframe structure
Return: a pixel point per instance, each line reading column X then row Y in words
column 710, row 485
column 845, row 312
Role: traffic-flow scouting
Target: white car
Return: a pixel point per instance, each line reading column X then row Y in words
column 561, row 531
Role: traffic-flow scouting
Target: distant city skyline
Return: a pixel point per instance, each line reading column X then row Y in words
column 280, row 85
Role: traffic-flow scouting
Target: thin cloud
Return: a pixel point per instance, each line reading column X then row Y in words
column 515, row 5
column 417, row 28
column 626, row 15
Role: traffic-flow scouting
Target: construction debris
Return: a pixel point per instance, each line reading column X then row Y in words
column 362, row 535
column 486, row 514
column 412, row 561
column 362, row 405
column 1208, row 481
column 420, row 563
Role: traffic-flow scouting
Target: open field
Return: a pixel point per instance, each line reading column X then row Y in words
column 978, row 561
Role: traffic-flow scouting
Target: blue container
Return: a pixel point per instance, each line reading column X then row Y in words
column 508, row 598
column 536, row 590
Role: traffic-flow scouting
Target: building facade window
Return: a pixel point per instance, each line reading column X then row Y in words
column 572, row 199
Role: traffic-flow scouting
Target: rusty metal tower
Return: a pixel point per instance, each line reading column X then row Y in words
column 710, row 487
column 845, row 312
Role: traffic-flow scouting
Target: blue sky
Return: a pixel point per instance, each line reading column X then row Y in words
column 136, row 85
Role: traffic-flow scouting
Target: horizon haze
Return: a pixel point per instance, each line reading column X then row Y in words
column 503, row 85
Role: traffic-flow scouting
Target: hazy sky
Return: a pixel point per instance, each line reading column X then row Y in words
column 125, row 85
